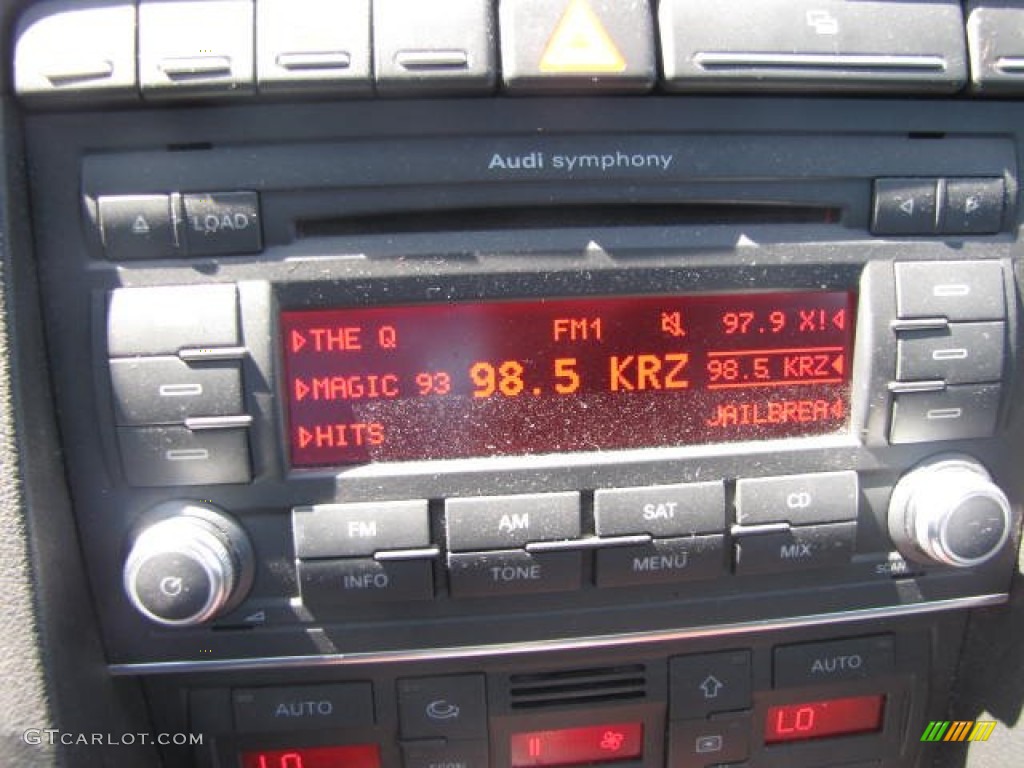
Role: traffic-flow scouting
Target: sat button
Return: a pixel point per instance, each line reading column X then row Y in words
column 660, row 510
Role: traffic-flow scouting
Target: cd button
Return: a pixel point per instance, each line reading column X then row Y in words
column 797, row 665
column 358, row 530
column 514, row 572
column 364, row 580
column 507, row 522
column 809, row 546
column 662, row 510
column 822, row 497
column 661, row 561
column 709, row 682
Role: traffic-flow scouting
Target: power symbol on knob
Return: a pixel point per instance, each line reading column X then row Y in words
column 188, row 565
column 171, row 585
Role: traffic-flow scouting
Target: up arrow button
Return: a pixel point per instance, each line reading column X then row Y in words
column 709, row 682
column 711, row 686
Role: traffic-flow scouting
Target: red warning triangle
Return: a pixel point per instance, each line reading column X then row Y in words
column 581, row 45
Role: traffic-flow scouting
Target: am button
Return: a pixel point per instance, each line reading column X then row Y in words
column 508, row 522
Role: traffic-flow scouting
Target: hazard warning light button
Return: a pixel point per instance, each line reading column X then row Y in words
column 577, row 46
column 137, row 227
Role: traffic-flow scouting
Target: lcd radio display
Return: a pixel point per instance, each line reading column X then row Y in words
column 517, row 378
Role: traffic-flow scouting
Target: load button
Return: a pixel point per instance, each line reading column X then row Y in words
column 830, row 662
column 222, row 223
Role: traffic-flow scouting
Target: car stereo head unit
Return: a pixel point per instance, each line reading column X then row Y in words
column 375, row 395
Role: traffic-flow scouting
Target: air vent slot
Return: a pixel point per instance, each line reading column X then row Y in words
column 578, row 686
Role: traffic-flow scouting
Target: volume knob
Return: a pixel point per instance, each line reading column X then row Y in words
column 948, row 510
column 188, row 565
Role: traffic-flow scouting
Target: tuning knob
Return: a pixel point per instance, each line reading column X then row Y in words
column 948, row 510
column 190, row 563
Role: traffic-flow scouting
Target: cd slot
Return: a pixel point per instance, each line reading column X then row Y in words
column 528, row 217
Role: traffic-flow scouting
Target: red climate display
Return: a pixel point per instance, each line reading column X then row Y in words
column 514, row 378
column 359, row 756
column 578, row 746
column 818, row 719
